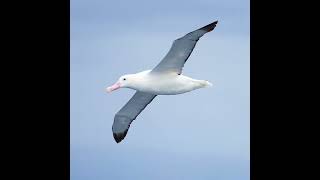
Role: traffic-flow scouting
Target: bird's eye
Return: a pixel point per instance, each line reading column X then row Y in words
column 124, row 79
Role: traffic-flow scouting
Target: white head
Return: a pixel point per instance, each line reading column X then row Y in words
column 125, row 81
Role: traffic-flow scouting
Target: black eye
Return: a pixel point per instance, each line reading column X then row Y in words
column 124, row 79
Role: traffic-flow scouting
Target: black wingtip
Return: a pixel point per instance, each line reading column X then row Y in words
column 210, row 27
column 118, row 137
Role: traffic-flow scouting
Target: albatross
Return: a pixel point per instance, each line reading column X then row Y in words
column 164, row 79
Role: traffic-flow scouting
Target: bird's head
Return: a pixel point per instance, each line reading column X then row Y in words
column 125, row 81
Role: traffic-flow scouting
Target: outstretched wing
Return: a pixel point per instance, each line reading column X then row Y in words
column 181, row 50
column 128, row 113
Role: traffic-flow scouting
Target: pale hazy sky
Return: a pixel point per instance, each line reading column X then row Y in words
column 199, row 135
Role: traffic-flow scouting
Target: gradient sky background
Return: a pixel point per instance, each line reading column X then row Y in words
column 203, row 134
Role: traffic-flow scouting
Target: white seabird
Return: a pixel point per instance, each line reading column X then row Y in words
column 164, row 79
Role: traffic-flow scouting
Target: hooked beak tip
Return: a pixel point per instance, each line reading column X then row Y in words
column 108, row 90
column 113, row 87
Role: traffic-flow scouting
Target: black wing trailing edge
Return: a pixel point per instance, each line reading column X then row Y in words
column 128, row 113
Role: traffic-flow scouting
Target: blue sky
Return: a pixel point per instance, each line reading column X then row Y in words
column 203, row 134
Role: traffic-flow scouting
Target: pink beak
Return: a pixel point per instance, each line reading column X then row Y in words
column 113, row 87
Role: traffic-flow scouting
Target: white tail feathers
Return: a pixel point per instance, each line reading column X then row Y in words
column 205, row 83
column 209, row 84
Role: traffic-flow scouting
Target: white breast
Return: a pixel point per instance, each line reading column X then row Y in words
column 167, row 84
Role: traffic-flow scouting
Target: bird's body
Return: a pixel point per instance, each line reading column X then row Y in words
column 166, row 83
column 164, row 79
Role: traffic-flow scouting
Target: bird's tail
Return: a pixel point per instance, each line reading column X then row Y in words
column 205, row 83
